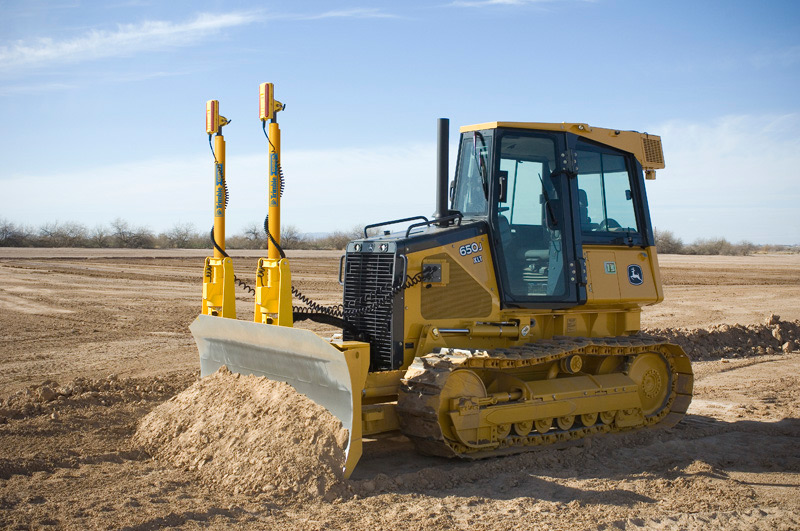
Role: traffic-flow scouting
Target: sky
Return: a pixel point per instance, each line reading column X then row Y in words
column 103, row 104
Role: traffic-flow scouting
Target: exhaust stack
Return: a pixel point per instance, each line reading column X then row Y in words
column 442, row 163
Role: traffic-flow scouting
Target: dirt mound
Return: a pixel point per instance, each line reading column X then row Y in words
column 773, row 337
column 250, row 435
column 49, row 397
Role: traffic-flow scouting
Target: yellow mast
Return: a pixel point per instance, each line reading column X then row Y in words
column 273, row 303
column 218, row 281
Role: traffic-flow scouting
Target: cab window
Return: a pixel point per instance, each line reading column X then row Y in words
column 605, row 200
column 472, row 181
column 530, row 217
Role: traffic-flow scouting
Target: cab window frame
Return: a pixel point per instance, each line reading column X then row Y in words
column 573, row 295
column 459, row 191
column 643, row 235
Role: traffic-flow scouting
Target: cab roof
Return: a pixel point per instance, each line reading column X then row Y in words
column 645, row 147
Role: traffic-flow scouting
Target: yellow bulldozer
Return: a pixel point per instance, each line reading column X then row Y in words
column 508, row 320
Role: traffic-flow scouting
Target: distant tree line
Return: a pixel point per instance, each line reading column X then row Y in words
column 254, row 237
column 121, row 234
column 668, row 243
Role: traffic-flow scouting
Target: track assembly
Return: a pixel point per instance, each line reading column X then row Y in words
column 478, row 403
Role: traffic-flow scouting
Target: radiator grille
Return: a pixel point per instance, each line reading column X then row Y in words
column 652, row 151
column 368, row 277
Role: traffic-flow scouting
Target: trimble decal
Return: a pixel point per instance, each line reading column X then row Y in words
column 635, row 275
column 274, row 183
column 219, row 192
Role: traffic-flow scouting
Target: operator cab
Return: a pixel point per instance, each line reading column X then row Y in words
column 545, row 194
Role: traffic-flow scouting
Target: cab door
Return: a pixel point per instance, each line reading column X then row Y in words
column 613, row 227
column 531, row 216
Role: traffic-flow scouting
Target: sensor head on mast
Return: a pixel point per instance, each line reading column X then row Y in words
column 214, row 121
column 267, row 105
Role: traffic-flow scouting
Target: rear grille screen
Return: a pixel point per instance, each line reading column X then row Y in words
column 367, row 278
column 652, row 151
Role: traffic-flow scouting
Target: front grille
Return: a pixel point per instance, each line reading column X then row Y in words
column 368, row 277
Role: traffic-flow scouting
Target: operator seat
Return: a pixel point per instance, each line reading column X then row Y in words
column 512, row 254
column 583, row 210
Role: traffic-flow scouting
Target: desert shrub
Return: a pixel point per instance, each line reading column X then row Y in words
column 99, row 237
column 667, row 243
column 773, row 248
column 182, row 236
column 68, row 234
column 252, row 237
column 744, row 248
column 239, row 241
column 335, row 240
column 123, row 235
column 292, row 238
column 12, row 235
column 708, row 246
column 338, row 239
column 719, row 246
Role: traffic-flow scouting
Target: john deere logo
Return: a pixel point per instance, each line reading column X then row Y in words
column 635, row 275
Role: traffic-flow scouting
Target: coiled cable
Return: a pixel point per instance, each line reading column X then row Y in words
column 219, row 173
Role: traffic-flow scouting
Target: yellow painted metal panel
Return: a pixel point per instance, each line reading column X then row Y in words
column 645, row 147
column 603, row 281
column 218, row 288
column 273, row 301
column 623, row 276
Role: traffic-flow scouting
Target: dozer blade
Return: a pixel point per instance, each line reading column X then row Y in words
column 298, row 357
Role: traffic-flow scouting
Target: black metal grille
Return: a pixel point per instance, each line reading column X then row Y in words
column 368, row 277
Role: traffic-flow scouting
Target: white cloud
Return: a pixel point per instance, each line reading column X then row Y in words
column 96, row 80
column 484, row 3
column 359, row 12
column 734, row 177
column 126, row 39
column 487, row 3
column 28, row 89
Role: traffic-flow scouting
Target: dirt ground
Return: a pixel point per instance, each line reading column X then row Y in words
column 92, row 341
